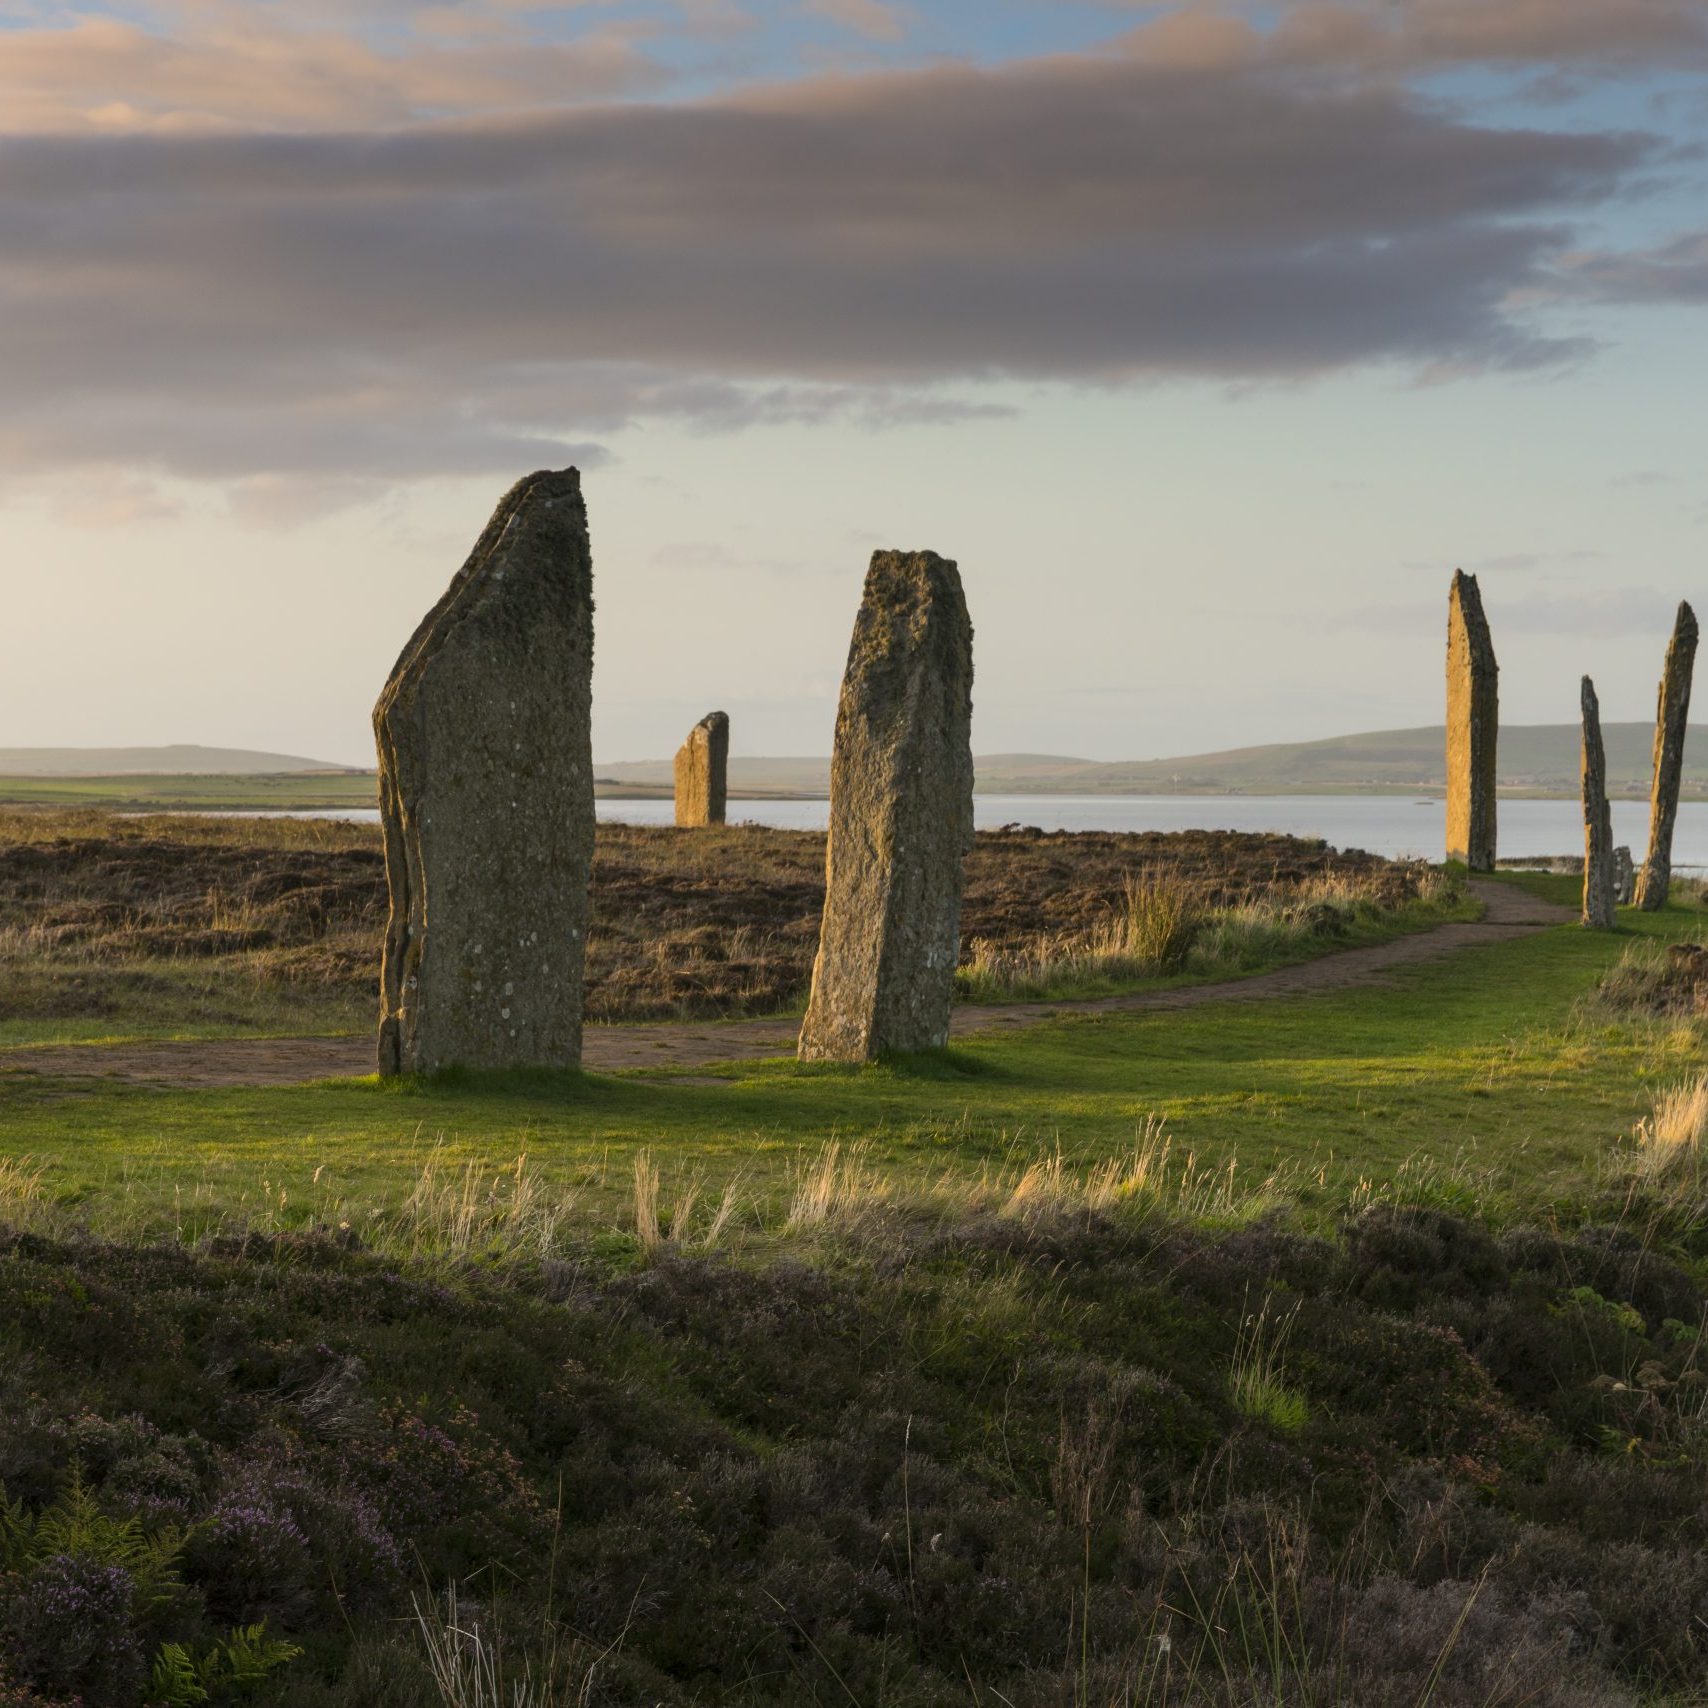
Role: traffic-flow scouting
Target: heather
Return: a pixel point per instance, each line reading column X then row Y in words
column 905, row 1455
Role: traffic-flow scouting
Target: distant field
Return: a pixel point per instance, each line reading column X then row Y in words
column 296, row 791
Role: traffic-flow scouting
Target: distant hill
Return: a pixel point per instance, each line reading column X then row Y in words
column 1533, row 759
column 176, row 761
column 1540, row 759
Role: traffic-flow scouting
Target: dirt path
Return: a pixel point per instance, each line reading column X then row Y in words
column 688, row 1044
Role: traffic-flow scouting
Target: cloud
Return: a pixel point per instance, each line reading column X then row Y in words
column 469, row 296
column 1675, row 272
column 876, row 20
column 245, row 67
column 1412, row 36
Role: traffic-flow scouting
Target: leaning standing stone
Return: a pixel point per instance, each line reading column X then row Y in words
column 1672, row 721
column 702, row 765
column 901, row 818
column 1597, row 819
column 486, row 794
column 1473, row 719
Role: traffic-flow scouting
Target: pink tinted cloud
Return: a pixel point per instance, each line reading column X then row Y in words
column 241, row 69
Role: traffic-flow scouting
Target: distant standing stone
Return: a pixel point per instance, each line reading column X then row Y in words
column 1672, row 721
column 486, row 794
column 901, row 818
column 1624, row 876
column 1473, row 722
column 1597, row 819
column 702, row 766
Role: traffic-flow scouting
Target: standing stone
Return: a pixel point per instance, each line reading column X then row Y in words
column 1624, row 877
column 486, row 794
column 1473, row 720
column 702, row 767
column 901, row 818
column 1597, row 819
column 1672, row 719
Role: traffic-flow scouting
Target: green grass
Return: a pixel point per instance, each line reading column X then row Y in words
column 1479, row 1074
column 150, row 1000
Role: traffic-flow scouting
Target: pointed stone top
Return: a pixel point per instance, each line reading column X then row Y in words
column 540, row 523
column 712, row 720
column 1588, row 694
column 1465, row 601
column 1686, row 624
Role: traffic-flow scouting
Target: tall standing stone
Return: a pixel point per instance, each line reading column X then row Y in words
column 702, row 768
column 1597, row 819
column 1473, row 722
column 486, row 795
column 1672, row 720
column 901, row 818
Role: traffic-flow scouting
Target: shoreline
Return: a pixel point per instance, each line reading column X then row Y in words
column 68, row 797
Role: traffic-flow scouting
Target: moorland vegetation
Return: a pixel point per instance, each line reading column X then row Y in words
column 1346, row 1349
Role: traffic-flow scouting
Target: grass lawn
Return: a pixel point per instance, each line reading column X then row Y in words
column 1483, row 1073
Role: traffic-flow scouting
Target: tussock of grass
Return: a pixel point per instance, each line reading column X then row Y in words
column 1256, row 1380
column 460, row 1212
column 20, row 1186
column 837, row 1187
column 1671, row 1146
column 658, row 1232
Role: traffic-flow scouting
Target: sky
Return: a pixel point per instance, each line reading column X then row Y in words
column 1208, row 338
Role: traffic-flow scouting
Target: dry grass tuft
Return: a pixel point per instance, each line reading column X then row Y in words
column 1157, row 924
column 1152, row 1177
column 460, row 1212
column 835, row 1188
column 657, row 1231
column 1670, row 1148
column 20, row 1184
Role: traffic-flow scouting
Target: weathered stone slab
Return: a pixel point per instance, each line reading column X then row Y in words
column 1473, row 724
column 1597, row 819
column 1624, row 877
column 901, row 818
column 1672, row 721
column 486, row 795
column 702, row 770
